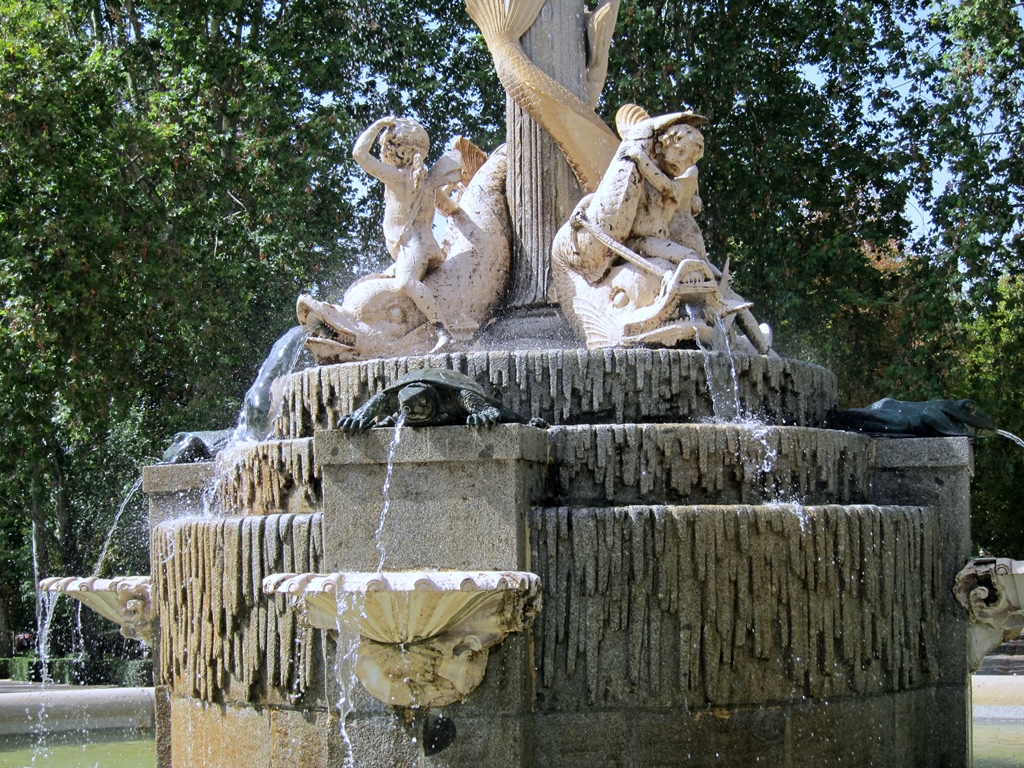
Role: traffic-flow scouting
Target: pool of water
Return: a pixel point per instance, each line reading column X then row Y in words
column 76, row 749
column 997, row 744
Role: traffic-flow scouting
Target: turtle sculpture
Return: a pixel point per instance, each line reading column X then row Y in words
column 432, row 397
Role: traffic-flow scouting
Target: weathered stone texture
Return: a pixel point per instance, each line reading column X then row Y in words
column 219, row 638
column 724, row 464
column 457, row 498
column 612, row 386
column 669, row 607
column 264, row 478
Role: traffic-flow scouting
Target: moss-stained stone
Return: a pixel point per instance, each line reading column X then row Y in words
column 220, row 639
column 707, row 463
column 613, row 386
column 267, row 478
column 667, row 607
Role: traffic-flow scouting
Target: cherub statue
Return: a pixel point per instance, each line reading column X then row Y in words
column 410, row 192
column 631, row 259
column 431, row 294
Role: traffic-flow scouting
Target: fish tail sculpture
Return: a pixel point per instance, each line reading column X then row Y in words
column 600, row 28
column 587, row 143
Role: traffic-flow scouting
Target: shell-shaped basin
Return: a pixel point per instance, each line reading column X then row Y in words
column 423, row 636
column 124, row 600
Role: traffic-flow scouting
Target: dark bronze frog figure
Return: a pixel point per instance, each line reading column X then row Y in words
column 929, row 418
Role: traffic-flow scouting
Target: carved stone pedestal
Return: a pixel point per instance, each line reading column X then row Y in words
column 457, row 497
column 713, row 594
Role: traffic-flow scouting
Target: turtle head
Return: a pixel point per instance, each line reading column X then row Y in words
column 419, row 402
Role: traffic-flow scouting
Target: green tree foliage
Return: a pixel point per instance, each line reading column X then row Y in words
column 863, row 178
column 804, row 176
column 172, row 175
column 961, row 323
column 993, row 368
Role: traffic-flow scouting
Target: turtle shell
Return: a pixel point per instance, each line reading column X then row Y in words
column 439, row 377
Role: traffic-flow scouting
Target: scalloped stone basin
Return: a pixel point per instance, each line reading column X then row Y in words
column 124, row 600
column 424, row 636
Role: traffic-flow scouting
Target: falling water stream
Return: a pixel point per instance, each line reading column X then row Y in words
column 263, row 399
column 345, row 665
column 725, row 397
column 113, row 527
column 386, row 490
column 48, row 604
column 1010, row 436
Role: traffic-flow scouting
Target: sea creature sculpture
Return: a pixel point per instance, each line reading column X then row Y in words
column 930, row 418
column 193, row 447
column 630, row 267
column 431, row 397
column 378, row 317
column 587, row 143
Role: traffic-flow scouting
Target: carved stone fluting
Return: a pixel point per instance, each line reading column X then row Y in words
column 423, row 636
column 991, row 590
column 267, row 477
column 581, row 387
column 218, row 640
column 699, row 463
column 733, row 606
column 537, row 164
column 124, row 600
column 541, row 187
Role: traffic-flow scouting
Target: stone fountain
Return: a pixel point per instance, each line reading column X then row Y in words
column 644, row 582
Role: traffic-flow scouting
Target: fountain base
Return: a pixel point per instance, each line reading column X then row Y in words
column 731, row 592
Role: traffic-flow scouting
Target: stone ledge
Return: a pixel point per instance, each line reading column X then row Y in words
column 428, row 445
column 81, row 709
column 924, row 452
column 578, row 386
column 172, row 478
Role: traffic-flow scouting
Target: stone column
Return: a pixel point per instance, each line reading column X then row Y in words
column 937, row 472
column 541, row 187
column 459, row 500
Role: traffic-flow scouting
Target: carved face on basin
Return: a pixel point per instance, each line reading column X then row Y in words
column 435, row 673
